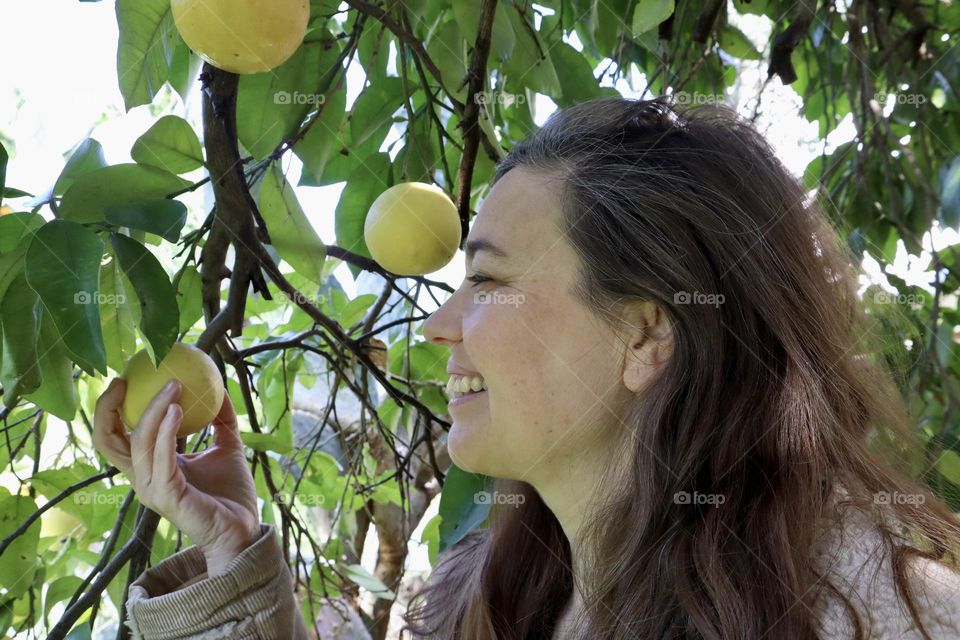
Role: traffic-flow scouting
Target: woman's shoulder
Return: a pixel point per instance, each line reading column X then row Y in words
column 856, row 561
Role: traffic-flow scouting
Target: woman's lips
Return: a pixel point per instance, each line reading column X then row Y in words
column 456, row 402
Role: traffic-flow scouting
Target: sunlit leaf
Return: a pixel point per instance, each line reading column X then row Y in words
column 18, row 563
column 86, row 157
column 57, row 392
column 148, row 38
column 91, row 194
column 162, row 216
column 160, row 317
column 170, row 144
column 20, row 318
column 63, row 265
column 291, row 233
column 650, row 13
column 464, row 504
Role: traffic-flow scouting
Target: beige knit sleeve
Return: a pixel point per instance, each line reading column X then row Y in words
column 252, row 600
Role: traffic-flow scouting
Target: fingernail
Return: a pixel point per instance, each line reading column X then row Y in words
column 168, row 388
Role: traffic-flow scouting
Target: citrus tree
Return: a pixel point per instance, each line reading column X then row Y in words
column 115, row 258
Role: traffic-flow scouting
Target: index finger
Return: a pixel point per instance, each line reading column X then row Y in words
column 109, row 435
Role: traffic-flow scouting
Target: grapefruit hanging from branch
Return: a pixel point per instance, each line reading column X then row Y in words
column 242, row 36
column 412, row 229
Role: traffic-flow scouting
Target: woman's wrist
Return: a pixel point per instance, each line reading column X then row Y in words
column 219, row 557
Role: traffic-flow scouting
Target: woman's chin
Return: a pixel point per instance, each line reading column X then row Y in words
column 466, row 447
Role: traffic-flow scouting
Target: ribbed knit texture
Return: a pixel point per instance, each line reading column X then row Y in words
column 252, row 600
column 859, row 566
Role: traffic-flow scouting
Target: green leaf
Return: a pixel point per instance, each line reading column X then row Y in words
column 734, row 42
column 462, row 504
column 577, row 80
column 160, row 317
column 650, row 13
column 372, row 53
column 857, row 242
column 531, row 65
column 18, row 564
column 949, row 190
column 148, row 38
column 14, row 227
column 448, row 49
column 363, row 187
column 368, row 581
column 63, row 265
column 752, row 7
column 184, row 69
column 949, row 466
column 419, row 157
column 11, row 265
column 267, row 442
column 356, row 308
column 86, row 157
column 375, row 105
column 323, row 139
column 162, row 216
column 502, row 40
column 91, row 194
column 83, row 631
column 608, row 19
column 56, row 393
column 189, row 298
column 10, row 192
column 171, row 144
column 61, row 589
column 118, row 317
column 349, row 155
column 275, row 384
column 4, row 158
column 20, row 319
column 428, row 361
column 431, row 537
column 387, row 492
column 271, row 105
column 291, row 233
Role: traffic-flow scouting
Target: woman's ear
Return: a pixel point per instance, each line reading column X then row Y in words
column 648, row 345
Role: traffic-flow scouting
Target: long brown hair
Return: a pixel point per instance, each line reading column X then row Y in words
column 771, row 398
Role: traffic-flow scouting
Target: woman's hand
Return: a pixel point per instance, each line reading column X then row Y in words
column 210, row 496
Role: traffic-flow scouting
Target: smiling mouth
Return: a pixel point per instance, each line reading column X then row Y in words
column 463, row 394
column 459, row 385
column 460, row 398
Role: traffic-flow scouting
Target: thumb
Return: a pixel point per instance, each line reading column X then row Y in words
column 227, row 431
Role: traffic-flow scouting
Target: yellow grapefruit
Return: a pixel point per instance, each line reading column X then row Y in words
column 412, row 229
column 242, row 36
column 201, row 386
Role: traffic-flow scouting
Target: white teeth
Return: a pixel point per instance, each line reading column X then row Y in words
column 461, row 385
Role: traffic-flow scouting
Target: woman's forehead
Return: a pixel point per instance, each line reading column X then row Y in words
column 519, row 217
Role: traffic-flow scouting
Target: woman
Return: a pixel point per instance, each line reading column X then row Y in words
column 678, row 409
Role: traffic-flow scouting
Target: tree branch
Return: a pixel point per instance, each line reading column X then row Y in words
column 470, row 124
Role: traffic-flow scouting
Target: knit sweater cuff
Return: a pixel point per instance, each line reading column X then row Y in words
column 253, row 598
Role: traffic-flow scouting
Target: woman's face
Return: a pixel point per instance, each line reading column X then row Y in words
column 553, row 370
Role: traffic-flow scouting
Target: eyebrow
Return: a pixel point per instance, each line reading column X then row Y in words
column 475, row 246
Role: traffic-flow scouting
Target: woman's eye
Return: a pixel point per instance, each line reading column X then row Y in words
column 477, row 279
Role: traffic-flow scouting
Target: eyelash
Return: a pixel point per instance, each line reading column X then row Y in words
column 477, row 279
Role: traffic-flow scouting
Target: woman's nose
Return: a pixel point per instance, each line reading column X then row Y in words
column 442, row 327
